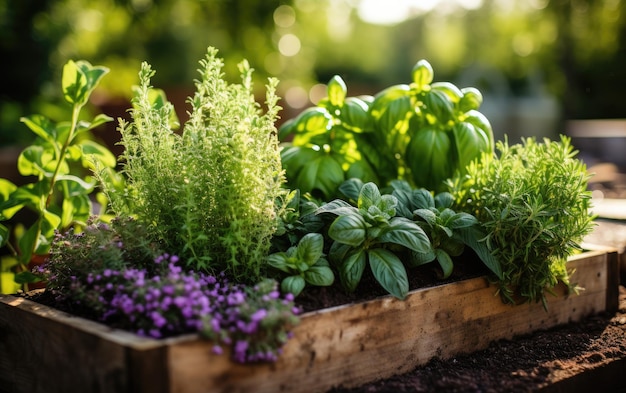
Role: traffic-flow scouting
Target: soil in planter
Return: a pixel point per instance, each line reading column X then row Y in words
column 586, row 356
column 315, row 298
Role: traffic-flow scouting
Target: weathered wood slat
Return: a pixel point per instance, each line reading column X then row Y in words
column 347, row 345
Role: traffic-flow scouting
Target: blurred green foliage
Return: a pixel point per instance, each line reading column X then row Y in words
column 576, row 47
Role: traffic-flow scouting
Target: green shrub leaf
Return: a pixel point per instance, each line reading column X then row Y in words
column 351, row 269
column 319, row 275
column 406, row 233
column 348, row 229
column 389, row 272
column 292, row 284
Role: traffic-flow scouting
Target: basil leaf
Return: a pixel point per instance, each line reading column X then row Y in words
column 293, row 285
column 350, row 229
column 472, row 237
column 444, row 261
column 406, row 233
column 389, row 272
column 319, row 275
column 351, row 270
column 337, row 91
column 310, row 248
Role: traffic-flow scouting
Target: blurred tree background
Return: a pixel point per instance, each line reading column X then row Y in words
column 538, row 62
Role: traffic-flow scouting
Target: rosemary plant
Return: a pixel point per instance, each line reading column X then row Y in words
column 207, row 194
column 533, row 202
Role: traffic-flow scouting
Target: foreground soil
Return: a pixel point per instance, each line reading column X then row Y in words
column 587, row 356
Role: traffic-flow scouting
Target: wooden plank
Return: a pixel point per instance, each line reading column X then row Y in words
column 46, row 350
column 354, row 344
column 35, row 356
column 348, row 345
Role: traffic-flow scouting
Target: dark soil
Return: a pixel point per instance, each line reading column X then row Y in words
column 586, row 356
column 466, row 266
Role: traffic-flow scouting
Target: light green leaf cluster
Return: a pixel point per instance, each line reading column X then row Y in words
column 58, row 185
column 208, row 193
column 423, row 132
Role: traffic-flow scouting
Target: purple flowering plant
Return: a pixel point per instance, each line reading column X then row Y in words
column 114, row 274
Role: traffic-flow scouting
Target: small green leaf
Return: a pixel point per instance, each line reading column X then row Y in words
column 79, row 80
column 427, row 215
column 28, row 242
column 49, row 223
column 28, row 194
column 75, row 184
column 278, row 261
column 389, row 272
column 445, row 262
column 383, row 99
column 320, row 276
column 338, row 207
column 93, row 150
column 422, row 199
column 470, row 143
column 293, row 285
column 338, row 253
column 428, row 156
column 351, row 270
column 440, row 106
column 422, row 258
column 444, row 200
column 472, row 99
column 349, row 229
column 462, row 220
column 422, row 74
column 453, row 247
column 406, row 233
column 35, row 160
column 481, row 122
column 310, row 248
column 337, row 91
column 351, row 188
column 473, row 238
column 354, row 115
column 324, row 174
column 388, row 205
column 394, row 123
column 41, row 126
column 369, row 196
column 449, row 89
column 26, row 278
column 100, row 119
column 74, row 84
column 314, row 120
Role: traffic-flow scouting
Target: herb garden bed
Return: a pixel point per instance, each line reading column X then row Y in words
column 44, row 349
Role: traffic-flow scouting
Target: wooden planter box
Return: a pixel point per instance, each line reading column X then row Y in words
column 42, row 349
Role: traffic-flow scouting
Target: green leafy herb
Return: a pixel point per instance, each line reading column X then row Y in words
column 367, row 234
column 449, row 232
column 533, row 203
column 57, row 160
column 209, row 193
column 303, row 264
column 422, row 132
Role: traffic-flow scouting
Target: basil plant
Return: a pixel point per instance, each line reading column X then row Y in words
column 368, row 235
column 423, row 132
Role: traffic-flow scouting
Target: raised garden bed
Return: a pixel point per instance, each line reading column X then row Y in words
column 44, row 349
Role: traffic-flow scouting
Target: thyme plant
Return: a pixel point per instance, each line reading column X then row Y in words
column 532, row 201
column 208, row 193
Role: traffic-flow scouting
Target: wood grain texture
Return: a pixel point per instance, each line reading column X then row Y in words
column 44, row 349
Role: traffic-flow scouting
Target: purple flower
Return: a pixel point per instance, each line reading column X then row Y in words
column 258, row 315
